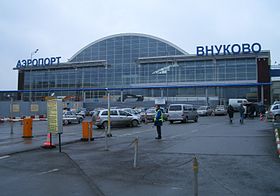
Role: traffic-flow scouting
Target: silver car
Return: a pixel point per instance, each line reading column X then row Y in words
column 118, row 117
column 273, row 113
column 182, row 112
column 69, row 117
column 204, row 111
column 133, row 112
column 220, row 110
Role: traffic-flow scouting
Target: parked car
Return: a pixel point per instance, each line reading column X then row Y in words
column 220, row 110
column 182, row 112
column 149, row 114
column 139, row 109
column 117, row 117
column 81, row 113
column 69, row 117
column 273, row 112
column 204, row 111
column 96, row 109
column 134, row 112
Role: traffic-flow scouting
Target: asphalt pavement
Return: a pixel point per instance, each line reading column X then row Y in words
column 233, row 159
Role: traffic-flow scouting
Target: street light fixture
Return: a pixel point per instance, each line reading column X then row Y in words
column 34, row 52
column 30, row 78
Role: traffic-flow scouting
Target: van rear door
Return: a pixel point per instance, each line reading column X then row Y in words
column 175, row 112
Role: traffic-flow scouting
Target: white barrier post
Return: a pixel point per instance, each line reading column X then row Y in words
column 106, row 140
column 12, row 114
column 135, row 152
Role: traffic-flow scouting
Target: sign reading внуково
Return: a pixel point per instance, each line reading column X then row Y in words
column 38, row 62
column 228, row 49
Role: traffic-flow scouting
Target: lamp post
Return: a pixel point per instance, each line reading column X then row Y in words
column 77, row 94
column 109, row 134
column 30, row 78
column 11, row 113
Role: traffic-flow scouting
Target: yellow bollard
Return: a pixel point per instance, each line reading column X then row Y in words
column 87, row 132
column 27, row 128
column 195, row 177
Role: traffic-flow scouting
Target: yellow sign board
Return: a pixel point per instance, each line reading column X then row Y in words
column 15, row 108
column 54, row 109
column 34, row 107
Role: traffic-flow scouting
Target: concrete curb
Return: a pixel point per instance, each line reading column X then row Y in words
column 40, row 146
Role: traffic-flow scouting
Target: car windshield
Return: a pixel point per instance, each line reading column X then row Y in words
column 202, row 108
column 151, row 111
column 175, row 108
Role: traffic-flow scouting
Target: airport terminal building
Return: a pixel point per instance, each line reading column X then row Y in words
column 145, row 67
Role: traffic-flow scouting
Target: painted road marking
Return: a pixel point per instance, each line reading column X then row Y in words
column 47, row 172
column 4, row 157
column 128, row 134
column 179, row 135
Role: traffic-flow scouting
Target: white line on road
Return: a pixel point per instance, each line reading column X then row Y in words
column 195, row 130
column 4, row 157
column 47, row 172
column 179, row 135
column 128, row 134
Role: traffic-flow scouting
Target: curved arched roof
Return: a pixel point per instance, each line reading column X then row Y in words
column 87, row 49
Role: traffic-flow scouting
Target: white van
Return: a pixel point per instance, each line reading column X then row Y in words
column 235, row 103
column 182, row 112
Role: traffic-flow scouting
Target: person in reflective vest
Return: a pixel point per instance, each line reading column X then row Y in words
column 158, row 121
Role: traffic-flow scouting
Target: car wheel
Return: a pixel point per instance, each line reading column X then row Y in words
column 105, row 125
column 65, row 122
column 196, row 119
column 171, row 121
column 277, row 118
column 134, row 123
column 184, row 121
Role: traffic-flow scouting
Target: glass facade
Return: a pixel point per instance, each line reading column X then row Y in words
column 199, row 71
column 123, row 69
column 121, row 54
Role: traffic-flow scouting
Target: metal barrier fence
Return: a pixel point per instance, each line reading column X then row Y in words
column 19, row 104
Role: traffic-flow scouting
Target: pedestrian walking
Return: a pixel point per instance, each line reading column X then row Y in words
column 158, row 121
column 241, row 111
column 230, row 112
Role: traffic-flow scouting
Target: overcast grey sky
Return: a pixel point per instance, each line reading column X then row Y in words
column 62, row 27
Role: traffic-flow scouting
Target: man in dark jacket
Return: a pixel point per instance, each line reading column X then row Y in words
column 241, row 111
column 158, row 121
column 230, row 112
